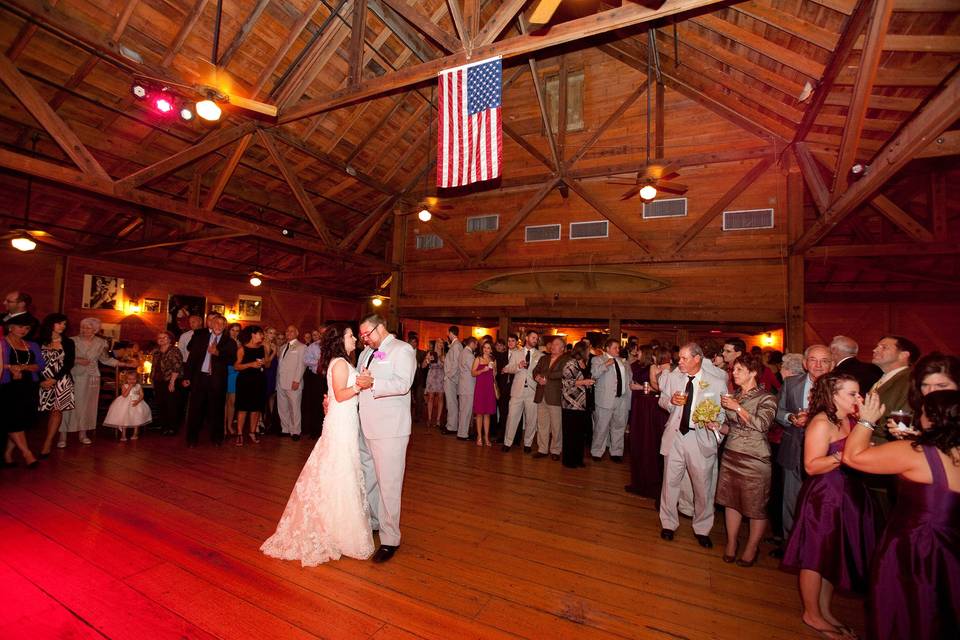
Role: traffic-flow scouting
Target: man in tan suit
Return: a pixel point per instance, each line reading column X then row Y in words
column 290, row 382
column 523, row 392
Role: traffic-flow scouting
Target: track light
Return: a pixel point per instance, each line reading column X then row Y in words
column 186, row 114
column 424, row 215
column 163, row 104
column 23, row 243
column 209, row 110
column 649, row 192
column 139, row 91
column 255, row 279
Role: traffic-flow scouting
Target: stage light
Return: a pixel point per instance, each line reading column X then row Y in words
column 255, row 280
column 163, row 104
column 23, row 243
column 649, row 192
column 139, row 91
column 186, row 114
column 424, row 215
column 209, row 110
column 376, row 301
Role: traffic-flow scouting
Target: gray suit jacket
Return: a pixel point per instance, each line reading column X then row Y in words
column 522, row 378
column 790, row 455
column 451, row 362
column 605, row 389
column 467, row 382
column 675, row 381
column 385, row 407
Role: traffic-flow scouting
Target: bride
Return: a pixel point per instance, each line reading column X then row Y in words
column 327, row 514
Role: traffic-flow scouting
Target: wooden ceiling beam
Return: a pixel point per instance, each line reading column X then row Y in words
column 717, row 208
column 599, row 131
column 398, row 134
column 410, row 37
column 946, row 144
column 896, row 249
column 242, row 34
column 412, row 149
column 456, row 16
column 615, row 217
column 901, row 218
column 529, row 148
column 309, row 209
column 918, row 43
column 498, row 22
column 374, row 130
column 894, row 77
column 53, row 124
column 788, row 23
column 471, row 19
column 328, row 160
column 862, row 89
column 940, row 110
column 812, row 176
column 521, row 215
column 364, row 226
column 424, row 25
column 22, row 40
column 186, row 26
column 579, row 29
column 267, row 72
column 201, row 236
column 227, row 172
column 74, row 81
column 852, row 28
column 209, row 144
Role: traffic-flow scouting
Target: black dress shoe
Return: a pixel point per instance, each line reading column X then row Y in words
column 527, row 449
column 447, row 432
column 554, row 456
column 505, row 449
column 616, row 459
column 466, row 438
column 539, row 455
column 666, row 534
column 384, row 553
column 704, row 541
column 295, row 437
column 596, row 458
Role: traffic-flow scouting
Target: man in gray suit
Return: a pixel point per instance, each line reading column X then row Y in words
column 451, row 379
column 521, row 364
column 689, row 447
column 612, row 401
column 465, row 388
column 792, row 416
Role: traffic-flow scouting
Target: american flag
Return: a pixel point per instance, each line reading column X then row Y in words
column 470, row 140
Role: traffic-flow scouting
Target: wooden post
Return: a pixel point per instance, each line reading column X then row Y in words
column 615, row 328
column 504, row 328
column 795, row 280
column 59, row 282
column 399, row 247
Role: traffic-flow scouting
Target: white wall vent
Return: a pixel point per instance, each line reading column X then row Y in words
column 593, row 229
column 542, row 233
column 429, row 241
column 477, row 224
column 748, row 219
column 666, row 208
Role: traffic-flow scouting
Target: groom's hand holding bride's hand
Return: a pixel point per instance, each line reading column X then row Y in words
column 365, row 380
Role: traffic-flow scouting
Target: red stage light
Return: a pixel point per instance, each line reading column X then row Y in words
column 163, row 105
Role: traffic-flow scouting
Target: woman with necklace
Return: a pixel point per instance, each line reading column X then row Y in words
column 91, row 349
column 22, row 362
column 835, row 532
column 56, row 388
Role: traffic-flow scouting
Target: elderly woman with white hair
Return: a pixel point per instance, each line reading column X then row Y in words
column 91, row 349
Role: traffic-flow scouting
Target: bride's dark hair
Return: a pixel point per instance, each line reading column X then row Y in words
column 331, row 346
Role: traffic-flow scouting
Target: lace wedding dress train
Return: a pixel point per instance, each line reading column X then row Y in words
column 327, row 514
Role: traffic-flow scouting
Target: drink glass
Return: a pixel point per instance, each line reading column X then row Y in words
column 903, row 419
column 682, row 397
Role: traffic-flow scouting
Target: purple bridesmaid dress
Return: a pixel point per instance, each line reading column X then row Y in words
column 915, row 582
column 836, row 528
column 484, row 395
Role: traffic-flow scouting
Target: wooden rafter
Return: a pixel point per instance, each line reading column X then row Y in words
column 202, row 236
column 400, row 132
column 526, row 146
column 328, row 160
column 267, row 72
column 521, row 215
column 180, row 159
column 456, row 16
column 371, row 134
column 425, row 25
column 402, row 29
column 372, row 219
column 862, row 88
column 498, row 22
column 717, row 208
column 579, row 29
column 242, row 34
column 186, row 26
column 943, row 107
column 901, row 218
column 618, row 219
column 358, row 26
column 74, row 81
column 227, row 172
column 62, row 134
column 309, row 209
column 812, row 176
column 613, row 117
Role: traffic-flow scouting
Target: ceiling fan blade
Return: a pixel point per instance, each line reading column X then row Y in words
column 46, row 238
column 632, row 192
column 253, row 105
column 672, row 187
column 657, row 171
column 441, row 216
column 543, row 12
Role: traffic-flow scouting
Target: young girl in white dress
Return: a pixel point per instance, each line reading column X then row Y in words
column 327, row 515
column 128, row 410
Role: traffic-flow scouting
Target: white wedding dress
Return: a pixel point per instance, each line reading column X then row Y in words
column 327, row 514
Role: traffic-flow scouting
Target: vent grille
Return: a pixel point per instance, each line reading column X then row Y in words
column 583, row 230
column 477, row 224
column 542, row 233
column 748, row 219
column 429, row 241
column 667, row 208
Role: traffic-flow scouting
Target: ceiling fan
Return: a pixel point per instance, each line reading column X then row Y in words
column 24, row 238
column 426, row 208
column 653, row 175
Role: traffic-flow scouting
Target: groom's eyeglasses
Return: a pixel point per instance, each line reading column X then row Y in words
column 365, row 334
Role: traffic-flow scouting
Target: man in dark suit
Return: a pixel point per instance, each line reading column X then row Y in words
column 792, row 416
column 894, row 355
column 844, row 351
column 205, row 372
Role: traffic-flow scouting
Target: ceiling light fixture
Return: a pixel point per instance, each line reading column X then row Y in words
column 376, row 301
column 424, row 215
column 163, row 104
column 23, row 243
column 209, row 110
column 649, row 192
column 858, row 170
column 139, row 91
column 186, row 114
column 256, row 279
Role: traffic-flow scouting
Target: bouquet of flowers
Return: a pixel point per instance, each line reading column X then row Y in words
column 706, row 411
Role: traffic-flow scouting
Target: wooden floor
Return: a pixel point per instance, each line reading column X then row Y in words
column 152, row 540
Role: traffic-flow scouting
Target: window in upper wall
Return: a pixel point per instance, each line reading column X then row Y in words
column 574, row 100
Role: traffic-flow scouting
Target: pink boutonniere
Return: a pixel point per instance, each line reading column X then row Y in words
column 379, row 355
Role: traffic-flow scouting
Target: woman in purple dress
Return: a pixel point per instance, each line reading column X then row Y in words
column 647, row 421
column 484, row 393
column 915, row 577
column 835, row 533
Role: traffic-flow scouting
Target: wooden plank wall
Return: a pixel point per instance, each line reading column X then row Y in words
column 933, row 326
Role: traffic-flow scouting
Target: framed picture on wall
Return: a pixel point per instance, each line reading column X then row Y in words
column 102, row 292
column 218, row 307
column 152, row 305
column 249, row 308
column 179, row 309
column 110, row 331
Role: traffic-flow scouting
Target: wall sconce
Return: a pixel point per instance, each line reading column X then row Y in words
column 231, row 315
column 133, row 305
column 767, row 339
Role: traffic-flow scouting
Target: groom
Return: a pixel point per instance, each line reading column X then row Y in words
column 387, row 367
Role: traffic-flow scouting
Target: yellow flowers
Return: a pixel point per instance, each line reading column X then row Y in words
column 706, row 411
